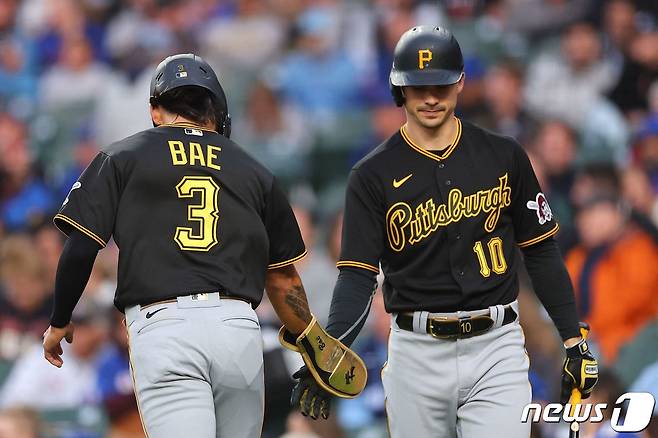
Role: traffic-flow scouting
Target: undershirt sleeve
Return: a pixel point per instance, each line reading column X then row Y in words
column 350, row 305
column 552, row 285
column 73, row 272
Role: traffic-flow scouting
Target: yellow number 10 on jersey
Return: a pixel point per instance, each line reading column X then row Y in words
column 498, row 262
column 206, row 213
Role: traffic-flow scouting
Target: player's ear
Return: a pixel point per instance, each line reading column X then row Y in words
column 156, row 115
column 460, row 83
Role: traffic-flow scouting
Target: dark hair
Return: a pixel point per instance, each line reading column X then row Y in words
column 192, row 102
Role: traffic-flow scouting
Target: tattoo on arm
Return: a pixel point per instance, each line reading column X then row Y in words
column 296, row 300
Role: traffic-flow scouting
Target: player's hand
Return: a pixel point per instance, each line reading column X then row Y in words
column 52, row 350
column 580, row 371
column 312, row 400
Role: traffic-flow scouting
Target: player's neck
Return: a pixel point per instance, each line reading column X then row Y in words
column 180, row 120
column 435, row 139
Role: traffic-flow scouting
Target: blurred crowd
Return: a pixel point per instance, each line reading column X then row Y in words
column 575, row 81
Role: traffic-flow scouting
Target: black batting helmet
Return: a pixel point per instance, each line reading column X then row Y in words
column 191, row 70
column 425, row 55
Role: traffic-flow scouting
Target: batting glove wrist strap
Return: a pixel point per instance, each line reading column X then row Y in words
column 580, row 371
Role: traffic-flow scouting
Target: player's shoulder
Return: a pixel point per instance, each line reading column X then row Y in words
column 383, row 153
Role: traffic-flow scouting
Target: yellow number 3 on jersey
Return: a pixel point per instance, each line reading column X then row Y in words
column 206, row 213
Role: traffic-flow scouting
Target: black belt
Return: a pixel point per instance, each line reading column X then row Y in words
column 446, row 328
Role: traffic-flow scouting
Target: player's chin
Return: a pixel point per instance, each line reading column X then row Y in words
column 431, row 119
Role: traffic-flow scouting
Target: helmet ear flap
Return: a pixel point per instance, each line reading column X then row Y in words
column 396, row 92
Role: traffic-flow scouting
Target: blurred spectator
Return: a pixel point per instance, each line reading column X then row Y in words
column 387, row 32
column 75, row 78
column 273, row 133
column 646, row 148
column 67, row 164
column 640, row 69
column 25, row 301
column 36, row 383
column 24, row 198
column 636, row 363
column 65, row 20
column 49, row 242
column 19, row 423
column 472, row 99
column 594, row 178
column 553, row 153
column 543, row 18
column 241, row 44
column 639, row 193
column 503, row 92
column 302, row 75
column 489, row 36
column 115, row 384
column 134, row 32
column 140, row 36
column 385, row 120
column 556, row 147
column 634, row 51
column 18, row 73
column 611, row 261
column 568, row 84
column 124, row 108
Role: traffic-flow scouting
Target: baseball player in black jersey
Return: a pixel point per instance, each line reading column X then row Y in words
column 202, row 229
column 441, row 207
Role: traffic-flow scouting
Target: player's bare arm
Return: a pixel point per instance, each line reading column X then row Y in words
column 331, row 367
column 286, row 293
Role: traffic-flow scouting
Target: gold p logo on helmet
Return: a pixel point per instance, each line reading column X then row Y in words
column 424, row 56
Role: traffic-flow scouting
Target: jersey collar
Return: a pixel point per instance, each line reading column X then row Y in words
column 185, row 125
column 437, row 157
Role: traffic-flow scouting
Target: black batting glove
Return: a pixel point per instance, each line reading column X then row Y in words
column 312, row 400
column 580, row 371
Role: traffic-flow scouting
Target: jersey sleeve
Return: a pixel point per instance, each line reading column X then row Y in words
column 363, row 225
column 286, row 243
column 532, row 216
column 91, row 205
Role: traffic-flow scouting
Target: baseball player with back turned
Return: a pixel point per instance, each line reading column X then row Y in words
column 202, row 229
column 442, row 206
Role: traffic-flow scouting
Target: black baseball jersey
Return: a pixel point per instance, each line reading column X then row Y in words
column 190, row 212
column 445, row 227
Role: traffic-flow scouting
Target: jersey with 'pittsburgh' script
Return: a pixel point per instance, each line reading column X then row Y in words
column 444, row 226
column 190, row 211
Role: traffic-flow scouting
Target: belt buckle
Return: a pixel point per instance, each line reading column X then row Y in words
column 431, row 327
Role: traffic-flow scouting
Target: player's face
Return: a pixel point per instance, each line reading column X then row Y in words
column 431, row 106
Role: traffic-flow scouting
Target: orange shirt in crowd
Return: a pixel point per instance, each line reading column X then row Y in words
column 623, row 290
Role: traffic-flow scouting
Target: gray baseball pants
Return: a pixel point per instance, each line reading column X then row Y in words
column 197, row 366
column 467, row 388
